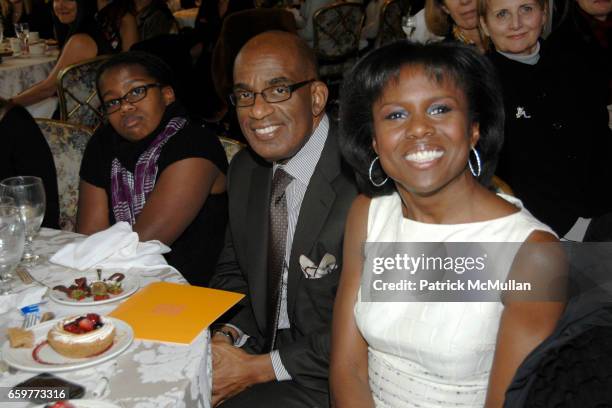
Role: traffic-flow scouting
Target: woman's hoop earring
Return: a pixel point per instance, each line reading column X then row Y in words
column 474, row 173
column 370, row 174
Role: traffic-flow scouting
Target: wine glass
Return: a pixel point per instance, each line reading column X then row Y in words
column 29, row 195
column 408, row 25
column 22, row 30
column 12, row 242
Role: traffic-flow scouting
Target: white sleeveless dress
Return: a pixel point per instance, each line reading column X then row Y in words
column 433, row 354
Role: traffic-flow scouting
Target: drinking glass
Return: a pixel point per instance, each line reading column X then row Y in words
column 22, row 30
column 12, row 242
column 29, row 195
column 1, row 34
column 408, row 25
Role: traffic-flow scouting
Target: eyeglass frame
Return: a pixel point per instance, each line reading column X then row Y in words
column 124, row 98
column 290, row 88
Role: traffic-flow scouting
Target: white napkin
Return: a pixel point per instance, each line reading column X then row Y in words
column 30, row 296
column 115, row 247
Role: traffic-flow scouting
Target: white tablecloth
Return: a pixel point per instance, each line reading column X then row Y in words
column 147, row 374
column 19, row 73
column 186, row 17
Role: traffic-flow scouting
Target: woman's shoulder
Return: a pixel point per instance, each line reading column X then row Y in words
column 523, row 220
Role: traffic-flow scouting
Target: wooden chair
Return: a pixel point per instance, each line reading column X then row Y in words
column 78, row 97
column 67, row 143
column 337, row 31
column 231, row 147
column 390, row 28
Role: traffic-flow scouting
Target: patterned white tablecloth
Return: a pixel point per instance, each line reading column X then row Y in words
column 147, row 374
column 20, row 73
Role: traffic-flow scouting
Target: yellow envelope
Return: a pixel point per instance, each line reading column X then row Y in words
column 174, row 313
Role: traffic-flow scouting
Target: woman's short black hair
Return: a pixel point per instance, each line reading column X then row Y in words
column 461, row 64
column 154, row 66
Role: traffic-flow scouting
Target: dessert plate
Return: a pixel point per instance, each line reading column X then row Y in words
column 48, row 360
column 130, row 285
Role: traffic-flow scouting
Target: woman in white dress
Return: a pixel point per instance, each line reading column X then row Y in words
column 420, row 115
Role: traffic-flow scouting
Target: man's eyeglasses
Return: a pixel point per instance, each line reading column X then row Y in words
column 274, row 94
column 132, row 96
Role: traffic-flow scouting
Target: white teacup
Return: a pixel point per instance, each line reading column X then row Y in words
column 38, row 49
column 15, row 45
column 33, row 36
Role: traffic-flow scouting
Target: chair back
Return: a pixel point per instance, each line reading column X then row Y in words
column 67, row 143
column 337, row 30
column 231, row 147
column 390, row 28
column 76, row 85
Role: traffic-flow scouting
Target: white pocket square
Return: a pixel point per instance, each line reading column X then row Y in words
column 311, row 271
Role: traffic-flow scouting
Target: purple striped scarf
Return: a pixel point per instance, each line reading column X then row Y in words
column 129, row 191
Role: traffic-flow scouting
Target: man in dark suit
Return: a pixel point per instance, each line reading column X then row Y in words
column 288, row 199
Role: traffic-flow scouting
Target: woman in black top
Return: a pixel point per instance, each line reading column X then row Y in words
column 154, row 168
column 556, row 136
column 79, row 39
column 25, row 152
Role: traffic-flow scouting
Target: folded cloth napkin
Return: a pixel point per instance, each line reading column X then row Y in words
column 115, row 247
column 31, row 296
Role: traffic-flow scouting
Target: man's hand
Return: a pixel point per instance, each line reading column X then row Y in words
column 234, row 370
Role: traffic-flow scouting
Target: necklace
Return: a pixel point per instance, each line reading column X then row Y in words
column 460, row 35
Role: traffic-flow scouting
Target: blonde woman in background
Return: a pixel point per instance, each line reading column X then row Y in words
column 452, row 20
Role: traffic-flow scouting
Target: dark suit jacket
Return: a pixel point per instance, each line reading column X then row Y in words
column 242, row 266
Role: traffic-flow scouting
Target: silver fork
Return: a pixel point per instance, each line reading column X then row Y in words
column 30, row 320
column 24, row 275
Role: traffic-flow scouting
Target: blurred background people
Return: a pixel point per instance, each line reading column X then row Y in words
column 116, row 19
column 37, row 13
column 154, row 18
column 79, row 40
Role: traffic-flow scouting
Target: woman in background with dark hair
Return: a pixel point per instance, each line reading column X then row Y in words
column 25, row 152
column 153, row 167
column 117, row 21
column 154, row 18
column 79, row 40
column 422, row 125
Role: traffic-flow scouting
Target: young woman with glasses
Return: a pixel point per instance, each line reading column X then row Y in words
column 153, row 167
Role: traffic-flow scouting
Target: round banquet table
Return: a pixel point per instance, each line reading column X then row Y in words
column 19, row 73
column 147, row 374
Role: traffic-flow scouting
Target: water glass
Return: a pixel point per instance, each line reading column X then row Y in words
column 29, row 195
column 12, row 242
column 22, row 30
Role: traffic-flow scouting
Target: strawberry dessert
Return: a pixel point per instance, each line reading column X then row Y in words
column 82, row 336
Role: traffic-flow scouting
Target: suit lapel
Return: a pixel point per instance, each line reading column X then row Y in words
column 318, row 201
column 257, row 250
